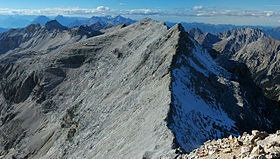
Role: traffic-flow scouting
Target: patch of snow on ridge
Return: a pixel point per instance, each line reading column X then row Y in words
column 196, row 120
column 204, row 58
column 236, row 94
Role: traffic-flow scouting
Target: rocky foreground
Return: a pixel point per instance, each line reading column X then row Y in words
column 258, row 145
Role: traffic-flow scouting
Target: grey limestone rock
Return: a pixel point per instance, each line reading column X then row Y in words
column 252, row 47
column 137, row 91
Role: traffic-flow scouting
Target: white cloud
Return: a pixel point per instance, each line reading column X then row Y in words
column 56, row 11
column 272, row 5
column 123, row 4
column 143, row 12
column 102, row 8
column 199, row 7
column 198, row 11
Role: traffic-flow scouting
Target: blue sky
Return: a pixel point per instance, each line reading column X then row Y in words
column 239, row 12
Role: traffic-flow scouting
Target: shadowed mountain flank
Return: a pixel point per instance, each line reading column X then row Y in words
column 251, row 47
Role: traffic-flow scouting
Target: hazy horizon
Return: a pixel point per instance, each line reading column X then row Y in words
column 239, row 12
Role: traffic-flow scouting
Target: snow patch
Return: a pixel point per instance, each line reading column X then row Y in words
column 239, row 98
column 209, row 64
column 195, row 120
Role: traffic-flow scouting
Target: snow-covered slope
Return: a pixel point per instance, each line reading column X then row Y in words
column 252, row 47
column 206, row 98
column 196, row 119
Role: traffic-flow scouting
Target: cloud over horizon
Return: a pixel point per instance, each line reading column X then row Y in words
column 199, row 7
column 198, row 11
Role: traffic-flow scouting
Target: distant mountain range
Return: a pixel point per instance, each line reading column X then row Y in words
column 104, row 20
column 76, row 21
column 47, row 38
column 273, row 32
column 19, row 21
column 2, row 30
column 42, row 20
column 15, row 21
column 68, row 21
column 213, row 28
column 220, row 28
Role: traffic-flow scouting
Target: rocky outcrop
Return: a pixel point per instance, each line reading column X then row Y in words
column 34, row 39
column 234, row 40
column 110, row 101
column 137, row 91
column 198, row 80
column 259, row 52
column 206, row 40
column 258, row 145
column 53, row 24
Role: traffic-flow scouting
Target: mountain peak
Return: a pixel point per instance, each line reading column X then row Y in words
column 120, row 17
column 195, row 31
column 42, row 20
column 33, row 26
column 179, row 27
column 53, row 24
column 146, row 21
column 59, row 17
column 257, row 33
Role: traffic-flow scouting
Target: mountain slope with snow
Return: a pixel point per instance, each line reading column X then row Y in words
column 137, row 91
column 260, row 53
column 211, row 100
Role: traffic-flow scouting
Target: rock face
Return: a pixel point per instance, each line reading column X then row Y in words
column 211, row 28
column 258, row 145
column 236, row 39
column 36, row 39
column 198, row 109
column 140, row 91
column 259, row 52
column 53, row 24
column 273, row 32
column 206, row 40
